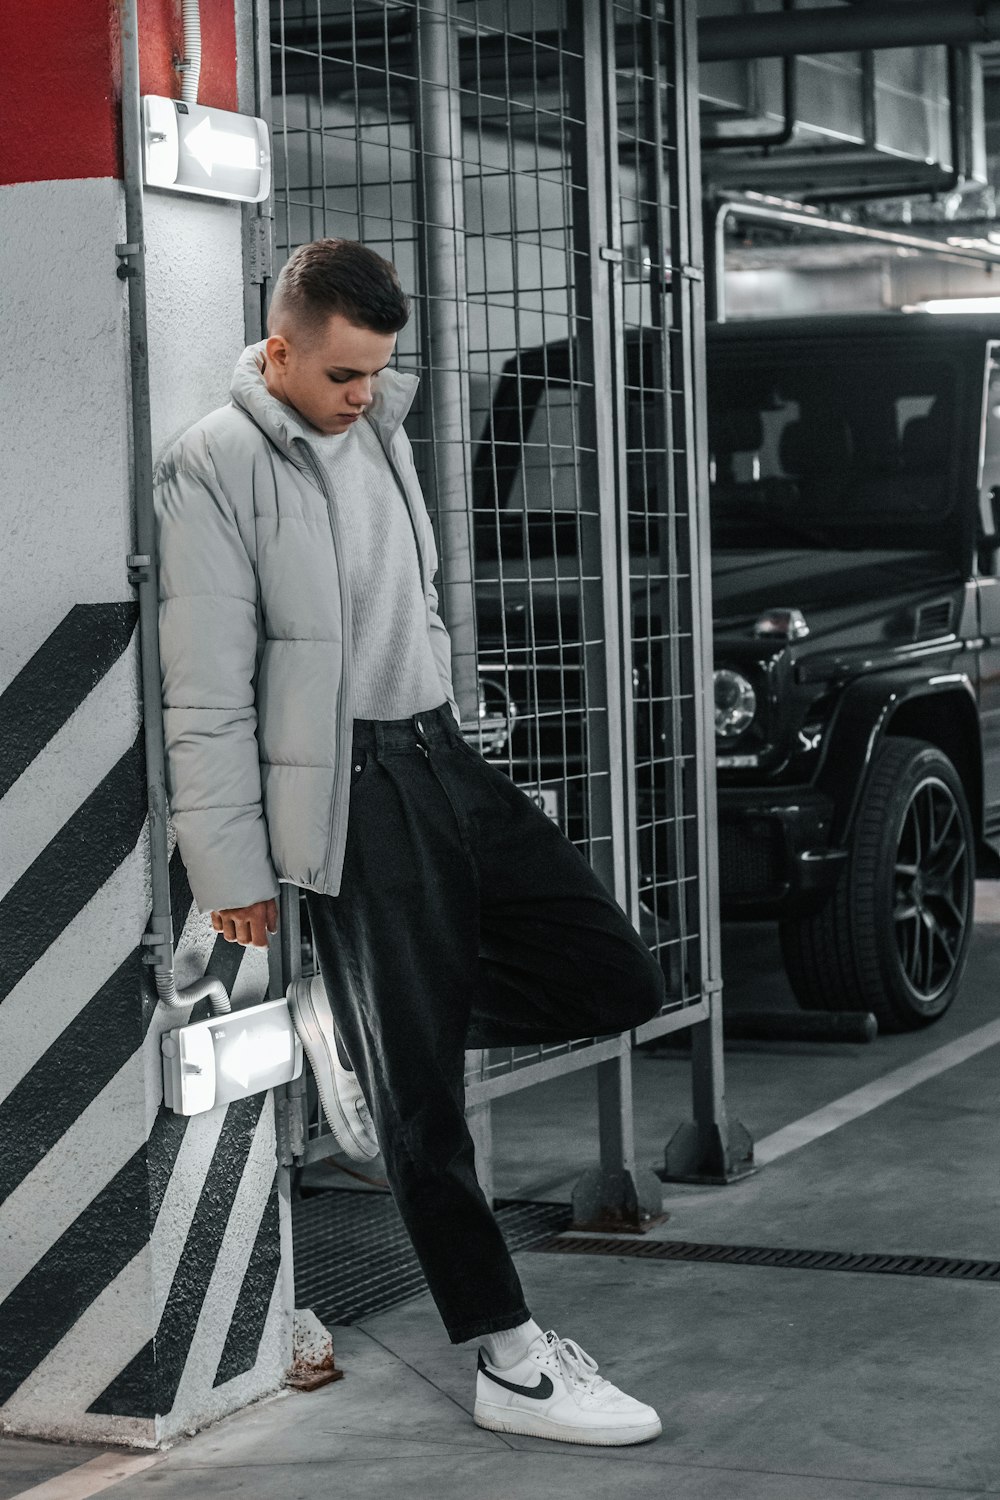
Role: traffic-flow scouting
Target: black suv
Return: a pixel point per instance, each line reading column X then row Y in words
column 852, row 466
column 857, row 646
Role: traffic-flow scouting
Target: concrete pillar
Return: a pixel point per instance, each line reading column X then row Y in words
column 143, row 1289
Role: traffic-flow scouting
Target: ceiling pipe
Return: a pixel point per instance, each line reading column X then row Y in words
column 921, row 23
column 784, row 211
column 785, row 131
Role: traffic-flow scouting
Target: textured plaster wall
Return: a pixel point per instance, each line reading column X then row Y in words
column 67, row 506
column 64, row 473
column 67, row 511
column 194, row 280
column 63, row 387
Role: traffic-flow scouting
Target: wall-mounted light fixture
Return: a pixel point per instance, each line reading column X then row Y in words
column 189, row 148
column 213, row 1062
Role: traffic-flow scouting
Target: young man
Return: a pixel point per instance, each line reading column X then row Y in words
column 311, row 737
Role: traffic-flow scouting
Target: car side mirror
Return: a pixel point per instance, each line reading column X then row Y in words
column 989, row 542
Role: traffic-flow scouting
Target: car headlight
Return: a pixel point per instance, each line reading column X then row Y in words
column 735, row 704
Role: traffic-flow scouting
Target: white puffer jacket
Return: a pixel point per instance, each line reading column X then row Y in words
column 255, row 640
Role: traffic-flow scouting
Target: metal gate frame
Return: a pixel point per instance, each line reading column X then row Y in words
column 617, row 1192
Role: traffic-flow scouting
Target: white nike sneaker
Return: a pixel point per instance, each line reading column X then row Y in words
column 556, row 1392
column 339, row 1091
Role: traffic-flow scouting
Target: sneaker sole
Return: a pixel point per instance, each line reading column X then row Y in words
column 310, row 1027
column 528, row 1424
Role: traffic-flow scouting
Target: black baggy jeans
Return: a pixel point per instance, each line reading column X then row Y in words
column 465, row 919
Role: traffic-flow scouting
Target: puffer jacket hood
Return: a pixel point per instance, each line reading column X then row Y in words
column 391, row 400
column 255, row 641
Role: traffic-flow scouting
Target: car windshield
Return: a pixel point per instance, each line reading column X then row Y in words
column 831, row 452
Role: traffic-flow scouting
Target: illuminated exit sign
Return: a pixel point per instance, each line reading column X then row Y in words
column 189, row 148
column 213, row 1062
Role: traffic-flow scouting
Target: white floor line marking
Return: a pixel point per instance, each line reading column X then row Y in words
column 862, row 1101
column 91, row 1478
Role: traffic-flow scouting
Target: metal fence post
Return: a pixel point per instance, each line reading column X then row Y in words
column 615, row 1194
column 712, row 1148
column 441, row 215
column 480, row 1121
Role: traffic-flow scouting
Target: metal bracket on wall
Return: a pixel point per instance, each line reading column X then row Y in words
column 125, row 253
column 260, row 265
column 153, row 940
column 138, row 564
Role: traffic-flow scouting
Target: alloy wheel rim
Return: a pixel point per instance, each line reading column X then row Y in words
column 932, row 882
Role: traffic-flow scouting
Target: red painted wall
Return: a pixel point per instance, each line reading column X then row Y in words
column 161, row 37
column 62, row 80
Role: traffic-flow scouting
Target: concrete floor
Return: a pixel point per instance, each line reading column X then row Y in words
column 772, row 1384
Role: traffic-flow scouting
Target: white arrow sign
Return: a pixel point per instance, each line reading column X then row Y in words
column 238, row 1061
column 248, row 1057
column 220, row 148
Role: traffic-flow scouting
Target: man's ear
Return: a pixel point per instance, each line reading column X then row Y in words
column 276, row 351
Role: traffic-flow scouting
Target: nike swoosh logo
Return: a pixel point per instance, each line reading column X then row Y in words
column 540, row 1392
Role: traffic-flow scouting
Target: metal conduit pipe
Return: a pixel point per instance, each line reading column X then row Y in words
column 191, row 15
column 780, row 137
column 158, row 938
column 920, row 23
column 784, row 211
column 446, row 329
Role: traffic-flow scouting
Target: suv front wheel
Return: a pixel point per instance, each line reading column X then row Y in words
column 894, row 936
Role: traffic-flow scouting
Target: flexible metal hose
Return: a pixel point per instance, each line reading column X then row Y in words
column 205, row 988
column 192, row 51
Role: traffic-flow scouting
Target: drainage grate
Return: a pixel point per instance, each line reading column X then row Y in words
column 353, row 1256
column 792, row 1260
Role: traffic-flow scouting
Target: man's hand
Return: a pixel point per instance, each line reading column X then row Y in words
column 248, row 925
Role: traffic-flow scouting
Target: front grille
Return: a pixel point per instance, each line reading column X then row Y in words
column 750, row 856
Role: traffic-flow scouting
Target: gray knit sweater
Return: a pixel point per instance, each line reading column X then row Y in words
column 393, row 663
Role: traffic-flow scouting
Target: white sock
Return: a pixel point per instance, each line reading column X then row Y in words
column 504, row 1349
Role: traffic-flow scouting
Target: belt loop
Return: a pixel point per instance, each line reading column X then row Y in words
column 379, row 740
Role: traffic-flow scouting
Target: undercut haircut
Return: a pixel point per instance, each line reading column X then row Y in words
column 337, row 276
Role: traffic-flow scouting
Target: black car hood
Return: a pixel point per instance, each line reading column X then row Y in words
column 831, row 588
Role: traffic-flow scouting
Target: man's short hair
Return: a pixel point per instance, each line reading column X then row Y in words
column 338, row 276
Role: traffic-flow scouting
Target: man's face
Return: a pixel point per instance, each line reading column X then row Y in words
column 328, row 380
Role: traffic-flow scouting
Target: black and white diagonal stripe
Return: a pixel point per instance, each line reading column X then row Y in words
column 80, row 1197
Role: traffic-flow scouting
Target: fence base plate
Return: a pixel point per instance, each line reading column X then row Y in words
column 697, row 1153
column 617, row 1202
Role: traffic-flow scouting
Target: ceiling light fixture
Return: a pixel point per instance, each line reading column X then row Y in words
column 957, row 305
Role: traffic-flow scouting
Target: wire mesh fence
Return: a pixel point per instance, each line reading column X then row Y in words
column 526, row 165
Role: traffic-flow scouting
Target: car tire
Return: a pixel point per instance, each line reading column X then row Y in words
column 894, row 936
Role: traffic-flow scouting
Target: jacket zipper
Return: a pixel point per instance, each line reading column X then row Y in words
column 345, row 730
